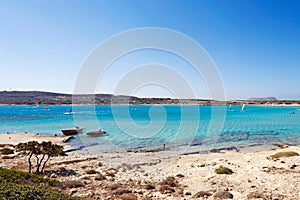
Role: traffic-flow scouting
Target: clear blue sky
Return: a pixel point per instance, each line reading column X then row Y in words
column 255, row 44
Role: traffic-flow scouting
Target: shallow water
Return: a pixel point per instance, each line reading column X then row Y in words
column 179, row 127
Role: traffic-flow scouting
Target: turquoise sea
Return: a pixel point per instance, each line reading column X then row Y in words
column 145, row 126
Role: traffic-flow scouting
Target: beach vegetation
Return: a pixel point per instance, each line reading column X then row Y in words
column 284, row 154
column 6, row 145
column 22, row 186
column 223, row 170
column 7, row 151
column 41, row 152
column 73, row 184
column 91, row 171
column 171, row 181
column 7, row 157
column 149, row 187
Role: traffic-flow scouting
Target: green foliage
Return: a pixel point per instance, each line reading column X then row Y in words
column 41, row 152
column 284, row 154
column 223, row 170
column 20, row 177
column 16, row 185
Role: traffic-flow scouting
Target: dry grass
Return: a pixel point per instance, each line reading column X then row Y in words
column 284, row 154
column 91, row 171
column 128, row 196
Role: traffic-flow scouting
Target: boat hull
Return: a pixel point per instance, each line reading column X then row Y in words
column 73, row 131
column 97, row 133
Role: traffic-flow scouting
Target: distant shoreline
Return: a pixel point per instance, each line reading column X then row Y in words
column 38, row 98
column 225, row 104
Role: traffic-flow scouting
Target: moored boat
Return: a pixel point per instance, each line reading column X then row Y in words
column 72, row 131
column 97, row 133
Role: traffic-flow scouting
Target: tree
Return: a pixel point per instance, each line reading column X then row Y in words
column 41, row 151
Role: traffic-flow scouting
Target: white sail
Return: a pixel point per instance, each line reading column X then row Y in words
column 243, row 108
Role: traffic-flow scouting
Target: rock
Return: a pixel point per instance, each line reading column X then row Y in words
column 121, row 191
column 128, row 196
column 180, row 175
column 53, row 175
column 256, row 195
column 223, row 195
column 202, row 194
column 73, row 184
column 73, row 191
column 139, row 191
column 166, row 189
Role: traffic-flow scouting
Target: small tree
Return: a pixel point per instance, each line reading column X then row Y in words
column 41, row 151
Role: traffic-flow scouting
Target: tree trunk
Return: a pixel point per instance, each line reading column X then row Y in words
column 37, row 171
column 43, row 167
column 29, row 163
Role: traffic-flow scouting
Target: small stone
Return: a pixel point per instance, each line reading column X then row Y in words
column 223, row 195
column 202, row 194
column 293, row 166
column 180, row 175
column 53, row 176
column 73, row 191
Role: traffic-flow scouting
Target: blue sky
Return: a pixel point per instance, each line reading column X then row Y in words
column 255, row 44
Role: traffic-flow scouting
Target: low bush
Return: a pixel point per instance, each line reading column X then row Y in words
column 7, row 151
column 284, row 154
column 17, row 185
column 223, row 170
column 20, row 177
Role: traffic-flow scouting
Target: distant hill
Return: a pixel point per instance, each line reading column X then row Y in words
column 50, row 98
column 263, row 99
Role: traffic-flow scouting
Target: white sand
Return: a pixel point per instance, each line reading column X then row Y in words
column 15, row 138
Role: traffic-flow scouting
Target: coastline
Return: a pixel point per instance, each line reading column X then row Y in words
column 15, row 138
column 254, row 173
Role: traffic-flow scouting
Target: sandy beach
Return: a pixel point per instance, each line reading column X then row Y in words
column 15, row 138
column 160, row 175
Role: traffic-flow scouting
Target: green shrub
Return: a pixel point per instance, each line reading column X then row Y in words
column 13, row 191
column 25, row 178
column 223, row 170
column 284, row 154
column 17, row 185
